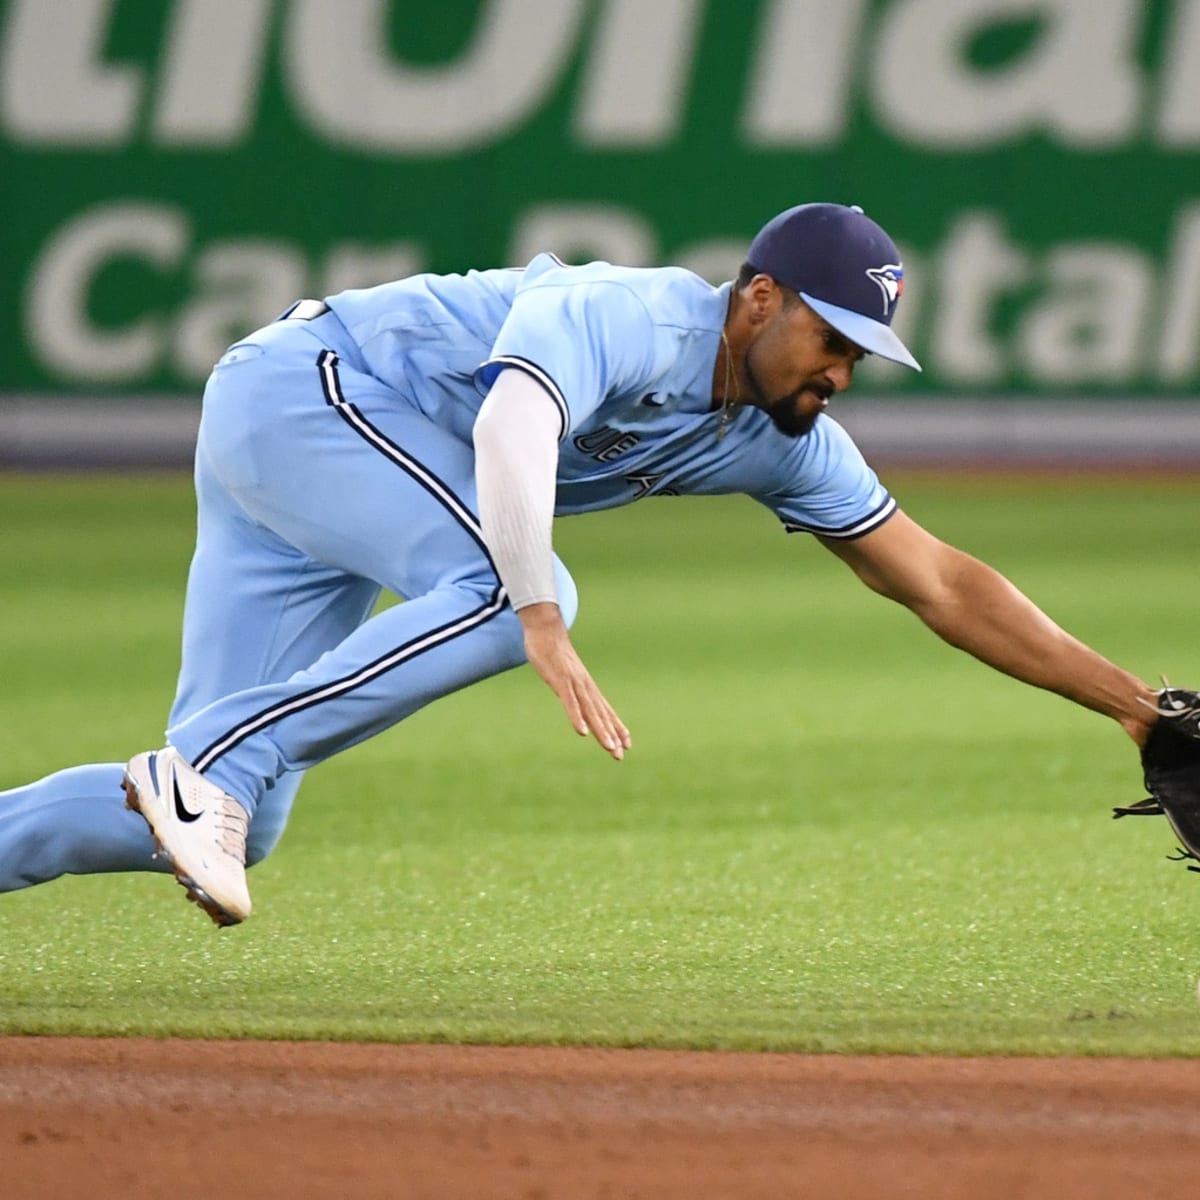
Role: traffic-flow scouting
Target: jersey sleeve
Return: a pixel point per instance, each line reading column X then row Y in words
column 828, row 488
column 581, row 340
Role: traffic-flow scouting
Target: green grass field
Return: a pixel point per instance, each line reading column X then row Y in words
column 833, row 832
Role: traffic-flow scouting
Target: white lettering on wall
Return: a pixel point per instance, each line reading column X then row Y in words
column 1087, row 327
column 804, row 67
column 798, row 92
column 1091, row 313
column 234, row 285
column 211, row 71
column 635, row 86
column 1079, row 82
column 1179, row 312
column 976, row 265
column 55, row 87
column 1179, row 118
column 353, row 92
column 57, row 321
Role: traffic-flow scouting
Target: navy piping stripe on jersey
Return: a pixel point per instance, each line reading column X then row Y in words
column 532, row 369
column 339, row 687
column 849, row 532
column 331, row 387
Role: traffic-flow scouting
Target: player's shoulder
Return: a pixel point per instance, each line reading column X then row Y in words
column 825, row 452
column 827, row 440
column 671, row 295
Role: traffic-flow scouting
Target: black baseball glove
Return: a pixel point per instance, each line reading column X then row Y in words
column 1171, row 766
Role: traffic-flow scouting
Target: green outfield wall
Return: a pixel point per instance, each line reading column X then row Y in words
column 177, row 171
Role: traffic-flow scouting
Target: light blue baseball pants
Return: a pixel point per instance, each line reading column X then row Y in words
column 316, row 487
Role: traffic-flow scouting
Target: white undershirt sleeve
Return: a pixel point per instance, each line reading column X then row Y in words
column 516, row 465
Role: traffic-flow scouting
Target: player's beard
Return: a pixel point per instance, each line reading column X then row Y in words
column 782, row 410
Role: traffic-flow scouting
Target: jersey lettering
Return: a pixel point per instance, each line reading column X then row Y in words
column 645, row 485
column 605, row 444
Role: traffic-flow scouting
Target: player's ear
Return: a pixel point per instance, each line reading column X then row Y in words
column 765, row 297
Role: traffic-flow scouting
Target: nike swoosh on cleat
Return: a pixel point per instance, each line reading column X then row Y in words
column 180, row 810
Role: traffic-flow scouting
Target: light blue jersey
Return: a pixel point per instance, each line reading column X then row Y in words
column 335, row 459
column 627, row 355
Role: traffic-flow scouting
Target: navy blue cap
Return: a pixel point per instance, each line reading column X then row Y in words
column 845, row 268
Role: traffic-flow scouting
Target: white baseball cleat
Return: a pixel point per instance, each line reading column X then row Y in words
column 199, row 828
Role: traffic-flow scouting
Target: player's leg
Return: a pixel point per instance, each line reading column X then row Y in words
column 349, row 473
column 257, row 609
column 382, row 493
column 76, row 821
column 72, row 821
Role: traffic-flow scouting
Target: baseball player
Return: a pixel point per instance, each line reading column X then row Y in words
column 421, row 436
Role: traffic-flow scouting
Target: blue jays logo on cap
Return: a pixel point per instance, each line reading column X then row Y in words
column 890, row 278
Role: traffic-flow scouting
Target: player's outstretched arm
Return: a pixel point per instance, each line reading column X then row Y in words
column 972, row 606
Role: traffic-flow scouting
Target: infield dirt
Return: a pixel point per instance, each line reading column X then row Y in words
column 180, row 1119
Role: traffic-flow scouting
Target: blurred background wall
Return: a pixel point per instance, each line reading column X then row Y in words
column 176, row 173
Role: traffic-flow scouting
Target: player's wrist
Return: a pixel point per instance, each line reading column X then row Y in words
column 541, row 616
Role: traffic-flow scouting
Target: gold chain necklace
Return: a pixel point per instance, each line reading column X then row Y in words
column 727, row 405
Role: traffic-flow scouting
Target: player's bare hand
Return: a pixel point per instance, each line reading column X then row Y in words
column 551, row 654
